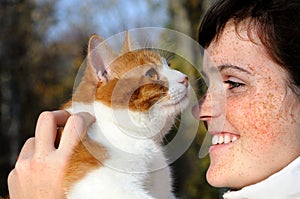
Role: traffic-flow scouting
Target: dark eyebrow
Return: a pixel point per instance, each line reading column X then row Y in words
column 229, row 66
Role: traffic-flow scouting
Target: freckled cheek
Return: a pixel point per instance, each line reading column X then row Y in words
column 253, row 121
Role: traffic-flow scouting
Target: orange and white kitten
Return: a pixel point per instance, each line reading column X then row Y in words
column 135, row 101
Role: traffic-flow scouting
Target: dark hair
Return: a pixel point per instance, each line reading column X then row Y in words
column 276, row 22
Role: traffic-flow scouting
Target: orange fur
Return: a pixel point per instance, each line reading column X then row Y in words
column 129, row 90
column 83, row 161
column 85, row 91
column 133, row 59
column 120, row 91
column 127, row 95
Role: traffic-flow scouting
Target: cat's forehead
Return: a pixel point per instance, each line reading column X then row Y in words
column 136, row 59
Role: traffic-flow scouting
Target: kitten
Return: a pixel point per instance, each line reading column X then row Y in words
column 135, row 101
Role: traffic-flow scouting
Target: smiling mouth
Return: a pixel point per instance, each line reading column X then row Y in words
column 223, row 138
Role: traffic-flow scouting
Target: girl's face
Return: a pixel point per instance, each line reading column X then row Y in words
column 259, row 133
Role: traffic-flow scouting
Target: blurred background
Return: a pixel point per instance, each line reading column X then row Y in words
column 42, row 45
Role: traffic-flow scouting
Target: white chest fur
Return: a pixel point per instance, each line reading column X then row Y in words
column 136, row 167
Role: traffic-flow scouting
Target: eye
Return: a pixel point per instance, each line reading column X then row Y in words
column 152, row 74
column 233, row 84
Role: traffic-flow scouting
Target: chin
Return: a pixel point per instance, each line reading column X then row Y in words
column 214, row 179
column 220, row 178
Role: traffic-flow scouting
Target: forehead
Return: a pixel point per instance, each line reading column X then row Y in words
column 235, row 46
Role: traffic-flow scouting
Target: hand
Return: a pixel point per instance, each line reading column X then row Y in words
column 39, row 170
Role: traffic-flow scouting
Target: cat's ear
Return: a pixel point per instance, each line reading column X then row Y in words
column 100, row 55
column 126, row 45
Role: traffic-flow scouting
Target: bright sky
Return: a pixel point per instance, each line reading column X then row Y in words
column 107, row 17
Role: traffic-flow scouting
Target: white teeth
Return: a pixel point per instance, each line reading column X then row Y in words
column 223, row 139
column 215, row 140
column 234, row 139
column 226, row 139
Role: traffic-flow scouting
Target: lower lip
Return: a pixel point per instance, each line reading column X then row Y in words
column 220, row 147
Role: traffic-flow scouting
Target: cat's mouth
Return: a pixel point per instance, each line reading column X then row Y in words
column 176, row 104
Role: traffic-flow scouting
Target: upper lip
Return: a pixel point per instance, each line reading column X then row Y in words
column 222, row 132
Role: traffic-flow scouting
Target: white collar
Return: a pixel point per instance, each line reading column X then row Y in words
column 282, row 185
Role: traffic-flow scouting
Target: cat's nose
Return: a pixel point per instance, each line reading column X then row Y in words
column 184, row 81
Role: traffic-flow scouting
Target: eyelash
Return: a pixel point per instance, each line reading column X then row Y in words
column 233, row 84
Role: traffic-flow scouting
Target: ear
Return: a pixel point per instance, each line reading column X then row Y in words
column 126, row 45
column 100, row 55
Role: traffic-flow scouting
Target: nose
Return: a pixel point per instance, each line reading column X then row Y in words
column 184, row 81
column 203, row 109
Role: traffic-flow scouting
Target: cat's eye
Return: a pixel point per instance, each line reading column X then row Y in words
column 152, row 73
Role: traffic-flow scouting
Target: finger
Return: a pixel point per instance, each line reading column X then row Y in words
column 75, row 128
column 61, row 117
column 27, row 150
column 46, row 129
column 13, row 184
